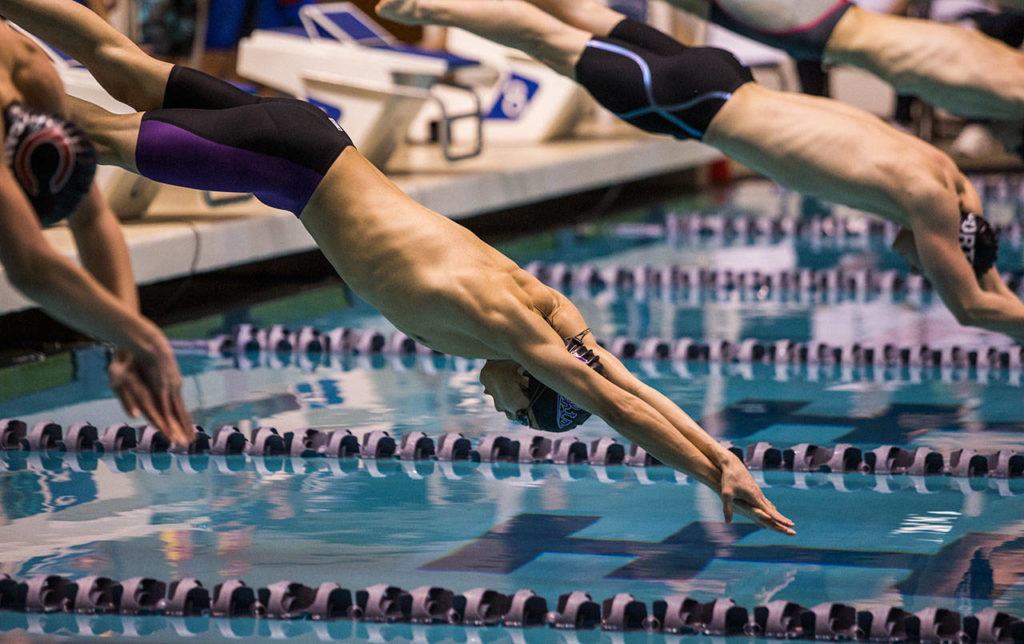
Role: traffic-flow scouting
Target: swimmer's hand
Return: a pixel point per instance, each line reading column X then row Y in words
column 151, row 385
column 739, row 491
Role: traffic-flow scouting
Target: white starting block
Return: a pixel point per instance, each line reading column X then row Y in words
column 526, row 103
column 128, row 194
column 344, row 63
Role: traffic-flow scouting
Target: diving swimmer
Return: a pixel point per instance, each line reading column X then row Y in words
column 431, row 277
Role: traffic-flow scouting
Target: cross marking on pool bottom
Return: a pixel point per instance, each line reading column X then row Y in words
column 979, row 565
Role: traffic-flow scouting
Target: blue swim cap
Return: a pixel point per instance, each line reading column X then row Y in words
column 52, row 160
column 549, row 410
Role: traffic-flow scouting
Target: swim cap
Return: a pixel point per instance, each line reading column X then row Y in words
column 978, row 241
column 550, row 410
column 52, row 160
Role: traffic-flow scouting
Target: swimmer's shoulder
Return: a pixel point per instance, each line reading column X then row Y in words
column 27, row 74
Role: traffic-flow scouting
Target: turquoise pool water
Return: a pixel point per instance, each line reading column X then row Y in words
column 865, row 540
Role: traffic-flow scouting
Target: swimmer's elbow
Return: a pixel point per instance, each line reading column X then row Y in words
column 965, row 311
column 977, row 313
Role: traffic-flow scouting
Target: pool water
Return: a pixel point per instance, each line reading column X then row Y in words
column 864, row 540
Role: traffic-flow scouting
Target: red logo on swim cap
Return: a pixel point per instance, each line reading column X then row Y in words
column 22, row 161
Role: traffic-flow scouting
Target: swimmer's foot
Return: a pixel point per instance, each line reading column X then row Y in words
column 409, row 12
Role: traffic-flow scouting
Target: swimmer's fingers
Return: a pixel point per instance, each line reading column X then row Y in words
column 151, row 396
column 761, row 503
column 123, row 381
column 768, row 524
column 184, row 417
column 747, row 490
column 736, row 484
column 180, row 433
column 150, row 408
column 137, row 398
column 774, row 513
column 727, row 499
column 127, row 400
column 764, row 519
column 159, row 371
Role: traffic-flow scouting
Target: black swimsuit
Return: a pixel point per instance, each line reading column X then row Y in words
column 657, row 83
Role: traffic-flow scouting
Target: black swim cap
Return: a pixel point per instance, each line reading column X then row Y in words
column 52, row 160
column 979, row 242
column 550, row 410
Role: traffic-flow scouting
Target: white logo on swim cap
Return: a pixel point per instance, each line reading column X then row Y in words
column 969, row 235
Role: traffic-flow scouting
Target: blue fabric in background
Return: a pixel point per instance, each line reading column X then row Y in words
column 635, row 9
column 227, row 18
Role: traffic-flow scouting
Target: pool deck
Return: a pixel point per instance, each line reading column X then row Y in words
column 182, row 232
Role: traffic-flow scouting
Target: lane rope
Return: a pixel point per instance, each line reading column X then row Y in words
column 525, row 447
column 43, row 600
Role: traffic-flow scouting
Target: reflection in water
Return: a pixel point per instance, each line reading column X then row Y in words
column 462, row 525
column 207, row 629
column 863, row 540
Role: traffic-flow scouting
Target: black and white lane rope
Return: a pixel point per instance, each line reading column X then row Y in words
column 820, row 231
column 247, row 338
column 521, row 447
column 317, row 608
column 864, row 281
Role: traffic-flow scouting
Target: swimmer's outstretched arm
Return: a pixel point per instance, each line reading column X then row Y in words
column 125, row 71
column 72, row 295
column 104, row 254
column 735, row 481
column 102, row 299
column 988, row 304
column 529, row 339
column 101, row 248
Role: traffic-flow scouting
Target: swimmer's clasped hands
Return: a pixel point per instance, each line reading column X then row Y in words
column 740, row 493
column 150, row 385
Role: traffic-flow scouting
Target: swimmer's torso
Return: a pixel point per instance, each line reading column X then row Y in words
column 801, row 27
column 777, row 16
column 833, row 151
column 432, row 278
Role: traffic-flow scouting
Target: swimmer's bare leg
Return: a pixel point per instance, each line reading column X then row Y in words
column 958, row 69
column 589, row 15
column 113, row 135
column 513, row 23
column 124, row 70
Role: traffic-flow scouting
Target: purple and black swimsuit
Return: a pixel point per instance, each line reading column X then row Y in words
column 211, row 135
